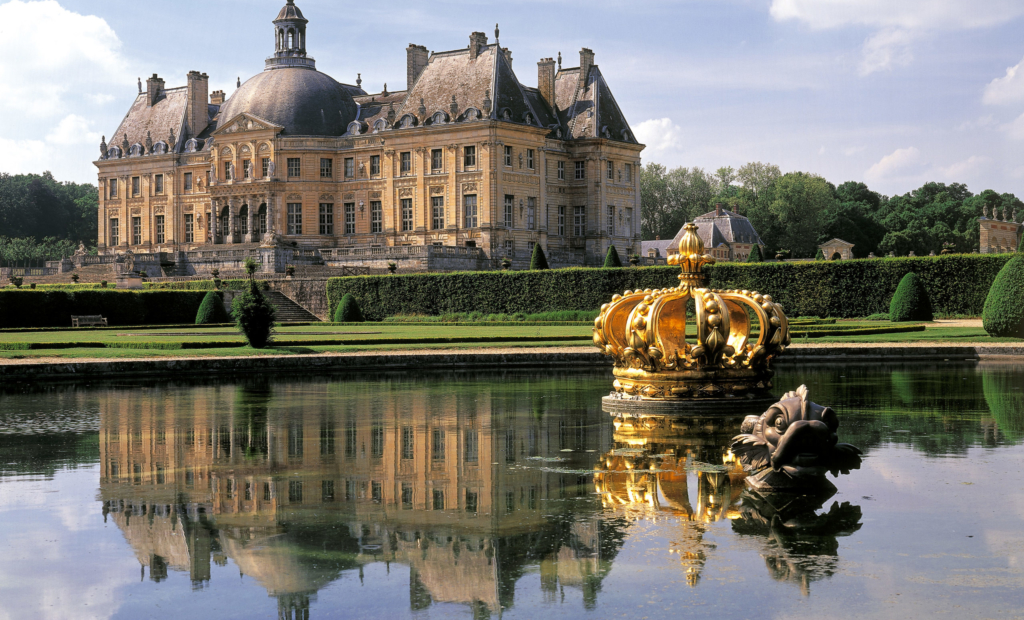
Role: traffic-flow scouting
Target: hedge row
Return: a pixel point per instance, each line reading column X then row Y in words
column 237, row 284
column 957, row 284
column 28, row 308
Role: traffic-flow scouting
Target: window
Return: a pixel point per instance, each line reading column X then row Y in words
column 561, row 221
column 469, row 204
column 326, row 218
column 510, row 247
column 294, row 167
column 629, row 173
column 261, row 218
column 472, row 500
column 159, row 228
column 158, row 184
column 267, row 493
column 295, row 440
column 188, row 182
column 190, row 223
column 113, row 186
column 327, row 167
column 350, row 167
column 135, row 186
column 294, row 218
column 436, row 160
column 243, row 220
column 469, row 157
column 611, row 220
column 227, row 171
column 209, row 178
column 438, row 499
column 136, row 230
column 265, row 170
column 531, row 213
column 629, row 221
column 471, row 447
column 327, row 438
column 508, row 156
column 437, row 211
column 114, row 224
column 561, row 171
column 374, row 165
column 295, row 491
column 406, row 159
column 611, row 171
column 579, row 221
column 377, row 440
column 408, row 443
column 376, row 492
column 407, row 495
column 376, row 217
column 529, row 158
column 406, row 214
column 581, row 170
column 327, row 491
column 246, row 169
column 510, row 201
column 437, row 444
column 350, row 218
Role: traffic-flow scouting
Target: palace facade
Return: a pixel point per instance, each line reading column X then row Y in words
column 465, row 157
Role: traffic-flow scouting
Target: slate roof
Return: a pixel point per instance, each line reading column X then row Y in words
column 289, row 11
column 715, row 228
column 168, row 113
column 835, row 240
column 664, row 247
column 591, row 111
column 303, row 101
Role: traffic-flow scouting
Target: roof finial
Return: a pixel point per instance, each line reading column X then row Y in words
column 496, row 31
column 238, row 84
column 140, row 86
column 385, row 91
column 559, row 61
column 359, row 80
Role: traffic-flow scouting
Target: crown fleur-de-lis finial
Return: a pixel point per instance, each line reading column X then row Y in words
column 691, row 258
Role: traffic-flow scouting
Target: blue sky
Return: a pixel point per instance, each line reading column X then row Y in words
column 890, row 93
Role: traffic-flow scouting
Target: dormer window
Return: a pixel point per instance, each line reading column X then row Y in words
column 438, row 118
column 191, row 146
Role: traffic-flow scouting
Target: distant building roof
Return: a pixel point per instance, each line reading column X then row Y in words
column 836, row 241
column 722, row 226
column 663, row 246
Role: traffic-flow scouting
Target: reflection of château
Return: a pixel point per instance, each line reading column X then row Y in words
column 298, row 483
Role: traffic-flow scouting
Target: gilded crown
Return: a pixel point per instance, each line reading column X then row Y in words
column 645, row 332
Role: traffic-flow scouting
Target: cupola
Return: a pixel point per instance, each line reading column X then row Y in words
column 290, row 40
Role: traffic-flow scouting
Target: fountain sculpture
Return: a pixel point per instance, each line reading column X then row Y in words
column 658, row 366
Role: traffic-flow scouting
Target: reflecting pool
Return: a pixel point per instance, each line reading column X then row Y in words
column 501, row 495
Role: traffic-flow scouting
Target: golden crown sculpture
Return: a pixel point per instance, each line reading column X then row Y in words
column 645, row 333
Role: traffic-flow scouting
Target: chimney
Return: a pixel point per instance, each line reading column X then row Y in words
column 586, row 62
column 476, row 41
column 508, row 55
column 546, row 80
column 217, row 97
column 416, row 62
column 196, row 112
column 154, row 87
column 718, row 209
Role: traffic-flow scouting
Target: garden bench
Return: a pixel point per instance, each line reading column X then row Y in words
column 88, row 319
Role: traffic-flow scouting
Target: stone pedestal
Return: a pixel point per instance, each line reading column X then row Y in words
column 771, row 481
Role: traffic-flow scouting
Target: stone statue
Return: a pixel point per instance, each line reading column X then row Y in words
column 271, row 168
column 792, row 445
column 149, row 143
column 103, row 148
column 984, row 210
column 171, row 140
column 81, row 251
column 1016, row 216
column 140, row 86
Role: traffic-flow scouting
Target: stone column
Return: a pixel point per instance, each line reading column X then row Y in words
column 211, row 225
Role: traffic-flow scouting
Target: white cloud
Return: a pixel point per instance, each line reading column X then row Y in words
column 899, row 163
column 54, row 56
column 72, row 129
column 1015, row 129
column 1006, row 89
column 68, row 148
column 659, row 134
column 897, row 22
column 963, row 170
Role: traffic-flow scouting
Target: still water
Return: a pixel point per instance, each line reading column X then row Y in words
column 500, row 495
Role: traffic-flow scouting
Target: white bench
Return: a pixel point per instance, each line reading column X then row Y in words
column 88, row 320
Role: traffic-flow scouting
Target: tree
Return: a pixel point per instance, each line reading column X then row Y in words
column 755, row 255
column 790, row 214
column 39, row 206
column 348, row 310
column 211, row 310
column 538, row 260
column 254, row 315
column 820, row 255
column 1003, row 313
column 670, row 198
column 611, row 259
column 910, row 302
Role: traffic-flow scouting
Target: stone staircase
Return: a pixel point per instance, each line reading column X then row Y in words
column 287, row 310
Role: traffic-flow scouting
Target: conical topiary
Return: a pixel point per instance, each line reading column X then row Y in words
column 348, row 310
column 211, row 310
column 538, row 260
column 910, row 302
column 1003, row 312
column 755, row 255
column 820, row 255
column 611, row 259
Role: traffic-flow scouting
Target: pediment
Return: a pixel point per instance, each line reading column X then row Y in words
column 246, row 122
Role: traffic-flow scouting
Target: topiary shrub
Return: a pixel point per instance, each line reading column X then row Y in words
column 538, row 260
column 212, row 310
column 819, row 255
column 1003, row 314
column 348, row 310
column 755, row 255
column 910, row 302
column 611, row 259
column 254, row 315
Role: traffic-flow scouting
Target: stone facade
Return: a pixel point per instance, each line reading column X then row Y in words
column 834, row 246
column 466, row 157
column 997, row 234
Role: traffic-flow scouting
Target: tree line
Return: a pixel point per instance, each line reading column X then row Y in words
column 797, row 211
column 44, row 219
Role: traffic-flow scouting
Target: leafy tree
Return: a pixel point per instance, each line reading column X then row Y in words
column 611, row 259
column 538, row 260
column 39, row 206
column 790, row 216
column 670, row 198
column 820, row 255
column 254, row 315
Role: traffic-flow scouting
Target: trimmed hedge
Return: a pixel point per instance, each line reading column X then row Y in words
column 910, row 302
column 956, row 283
column 611, row 258
column 53, row 308
column 1003, row 314
column 348, row 311
column 211, row 310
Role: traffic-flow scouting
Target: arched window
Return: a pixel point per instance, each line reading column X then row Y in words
column 191, row 145
column 439, row 118
column 408, row 120
column 291, row 39
column 135, row 150
column 379, row 125
column 354, row 128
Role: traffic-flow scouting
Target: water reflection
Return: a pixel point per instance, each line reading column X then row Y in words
column 297, row 484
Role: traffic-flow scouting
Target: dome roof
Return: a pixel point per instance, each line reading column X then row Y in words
column 303, row 101
column 290, row 11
